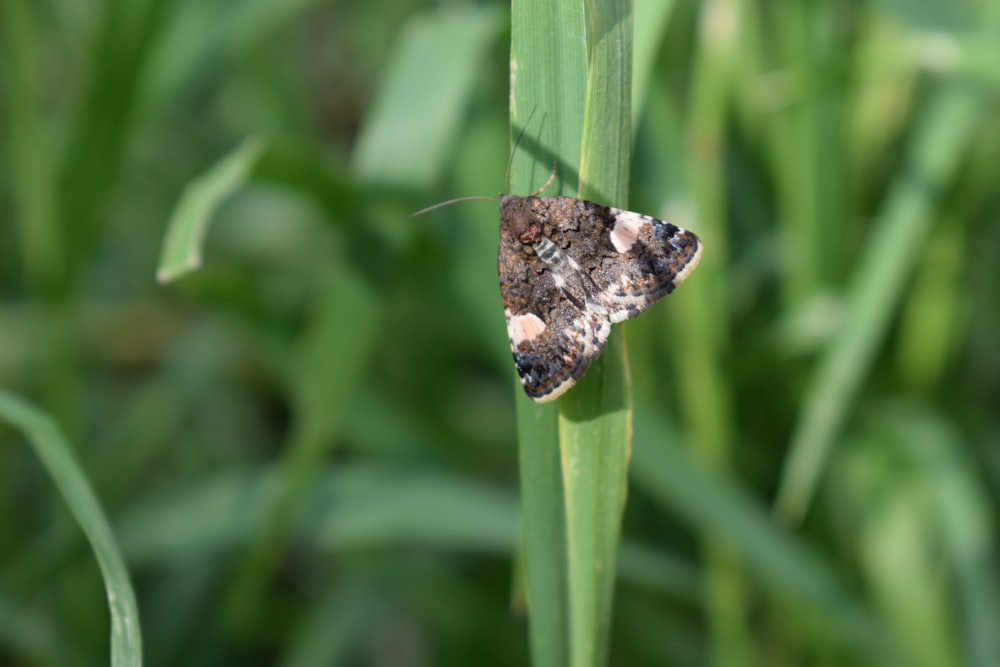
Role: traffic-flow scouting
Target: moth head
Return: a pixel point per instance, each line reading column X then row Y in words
column 520, row 216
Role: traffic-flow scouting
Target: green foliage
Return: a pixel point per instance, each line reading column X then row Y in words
column 311, row 450
column 68, row 477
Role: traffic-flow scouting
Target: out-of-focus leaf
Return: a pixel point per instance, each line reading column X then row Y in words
column 56, row 455
column 201, row 200
column 404, row 141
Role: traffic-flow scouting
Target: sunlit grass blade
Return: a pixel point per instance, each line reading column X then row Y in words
column 548, row 73
column 595, row 425
column 595, row 436
column 202, row 198
column 939, row 141
column 543, row 531
column 71, row 482
column 548, row 61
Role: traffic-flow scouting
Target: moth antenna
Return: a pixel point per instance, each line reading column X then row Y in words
column 547, row 183
column 510, row 160
column 450, row 201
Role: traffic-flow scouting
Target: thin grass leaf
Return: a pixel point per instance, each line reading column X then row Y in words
column 595, row 436
column 543, row 530
column 651, row 20
column 808, row 150
column 32, row 167
column 201, row 200
column 939, row 141
column 57, row 457
column 722, row 512
column 701, row 308
column 901, row 537
column 100, row 131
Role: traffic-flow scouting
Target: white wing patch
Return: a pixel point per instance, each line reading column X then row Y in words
column 626, row 229
column 523, row 328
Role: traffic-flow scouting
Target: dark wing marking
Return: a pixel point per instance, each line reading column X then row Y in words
column 568, row 269
column 633, row 259
column 557, row 355
column 556, row 328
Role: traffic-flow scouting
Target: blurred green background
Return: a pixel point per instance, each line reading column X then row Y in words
column 307, row 447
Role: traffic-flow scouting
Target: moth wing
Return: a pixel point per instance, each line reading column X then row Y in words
column 552, row 355
column 553, row 338
column 633, row 259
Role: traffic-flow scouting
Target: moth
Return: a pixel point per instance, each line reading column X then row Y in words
column 569, row 269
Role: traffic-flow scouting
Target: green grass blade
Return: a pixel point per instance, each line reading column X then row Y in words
column 701, row 309
column 202, row 198
column 595, row 418
column 607, row 122
column 808, row 152
column 651, row 20
column 543, row 530
column 783, row 567
column 548, row 76
column 104, row 122
column 594, row 425
column 32, row 169
column 595, row 433
column 69, row 478
column 940, row 140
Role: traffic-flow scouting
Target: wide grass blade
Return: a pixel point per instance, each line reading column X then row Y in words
column 595, row 426
column 569, row 58
column 548, row 74
column 69, row 478
column 595, row 435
